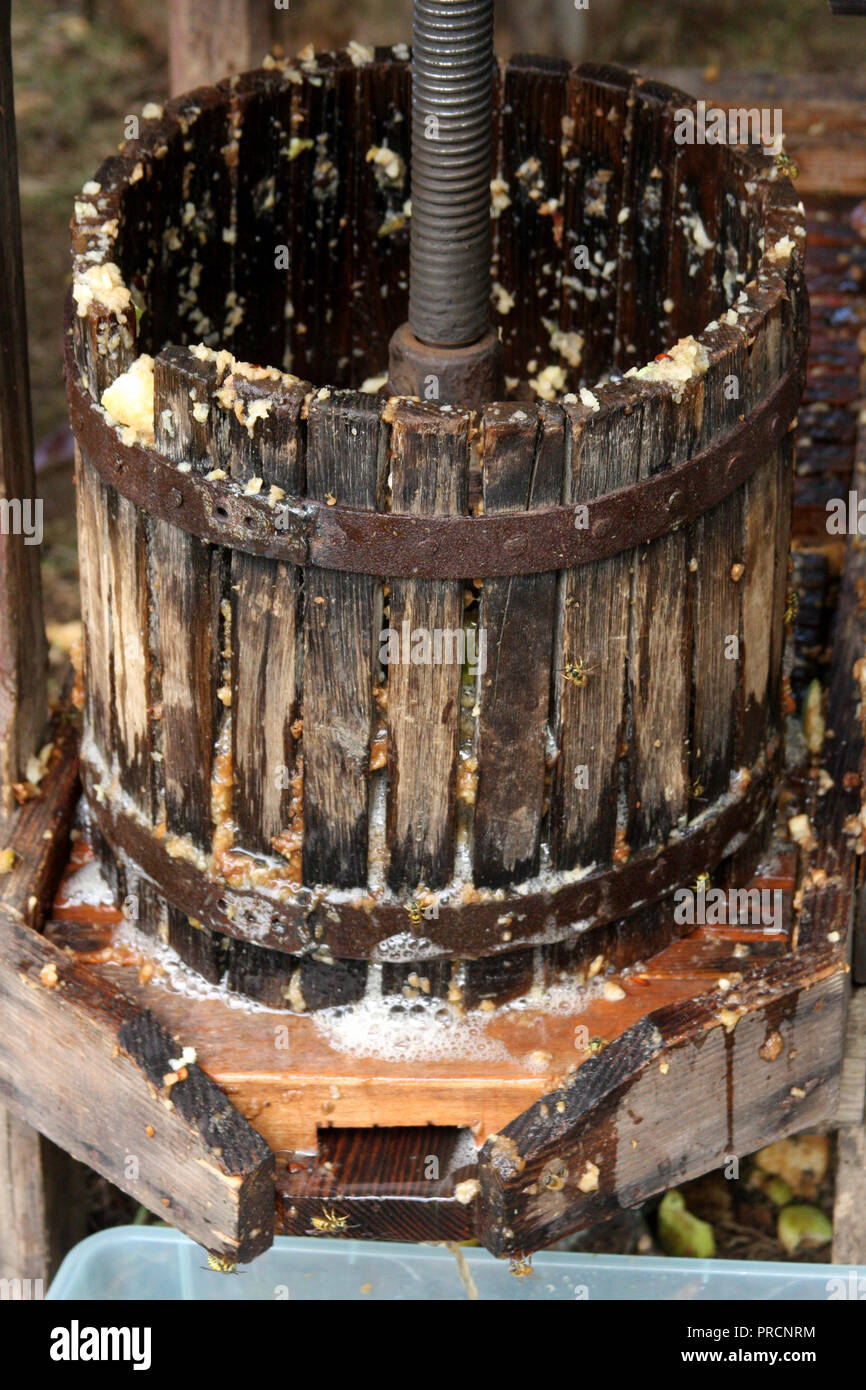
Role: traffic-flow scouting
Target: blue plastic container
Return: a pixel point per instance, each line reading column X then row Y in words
column 140, row 1262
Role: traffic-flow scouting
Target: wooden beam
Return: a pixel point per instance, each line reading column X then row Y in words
column 42, row 1207
column 22, row 638
column 94, row 1073
column 678, row 1094
column 209, row 41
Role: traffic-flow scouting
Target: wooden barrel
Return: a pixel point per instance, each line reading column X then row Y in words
column 388, row 696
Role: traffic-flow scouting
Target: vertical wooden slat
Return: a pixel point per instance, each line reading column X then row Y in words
column 529, row 232
column 596, row 162
column 346, row 441
column 429, row 476
column 186, row 584
column 716, row 545
column 127, row 578
column 522, row 470
column 381, row 248
column 660, row 643
column 647, row 213
column 265, row 612
column 690, row 286
column 259, row 102
column 23, row 701
column 43, row 1207
column 761, row 520
column 94, row 551
column 206, row 42
column 593, row 604
column 193, row 262
column 323, row 155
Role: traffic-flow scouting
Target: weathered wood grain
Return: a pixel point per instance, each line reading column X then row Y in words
column 186, row 581
column 761, row 521
column 529, row 233
column 522, row 469
column 94, row 552
column 398, row 1184
column 648, row 204
column 597, row 153
column 23, row 701
column 715, row 545
column 660, row 639
column 380, row 251
column 589, row 669
column 43, row 1210
column 675, row 1095
column 324, row 169
column 346, row 442
column 429, row 476
column 265, row 608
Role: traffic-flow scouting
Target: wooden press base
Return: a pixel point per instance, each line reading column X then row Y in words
column 703, row 1052
column 282, row 1073
column 355, row 1136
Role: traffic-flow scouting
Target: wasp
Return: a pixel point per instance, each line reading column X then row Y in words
column 221, row 1264
column 521, row 1266
column 702, row 883
column 792, row 607
column 330, row 1221
column 787, row 166
column 413, row 907
column 697, row 788
column 595, row 1046
column 577, row 672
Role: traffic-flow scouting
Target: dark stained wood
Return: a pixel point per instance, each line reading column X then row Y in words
column 660, row 641
column 529, row 234
column 594, row 618
column 700, row 212
column 23, row 705
column 675, row 1095
column 715, row 545
column 37, row 833
column 203, row 1167
column 393, row 1184
column 131, row 658
column 186, row 582
column 429, row 476
column 761, row 508
column 647, row 211
column 345, row 460
column 94, row 552
column 324, row 171
column 380, row 254
column 521, row 469
column 265, row 609
column 43, row 1207
column 597, row 153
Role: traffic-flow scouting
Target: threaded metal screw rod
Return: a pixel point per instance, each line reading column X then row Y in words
column 449, row 287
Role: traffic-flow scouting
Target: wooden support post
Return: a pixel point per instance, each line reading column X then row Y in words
column 214, row 40
column 42, row 1207
column 22, row 638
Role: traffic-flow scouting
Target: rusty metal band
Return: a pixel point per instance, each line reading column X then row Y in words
column 354, row 930
column 306, row 532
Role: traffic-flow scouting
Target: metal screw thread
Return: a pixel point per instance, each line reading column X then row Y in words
column 452, row 75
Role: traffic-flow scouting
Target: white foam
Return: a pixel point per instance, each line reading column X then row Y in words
column 87, row 887
column 175, row 977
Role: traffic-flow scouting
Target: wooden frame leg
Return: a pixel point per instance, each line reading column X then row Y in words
column 42, row 1208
